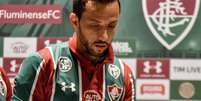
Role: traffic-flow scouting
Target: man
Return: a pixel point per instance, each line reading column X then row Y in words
column 84, row 68
column 5, row 86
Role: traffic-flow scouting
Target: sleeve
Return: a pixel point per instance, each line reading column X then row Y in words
column 25, row 79
column 5, row 79
column 129, row 84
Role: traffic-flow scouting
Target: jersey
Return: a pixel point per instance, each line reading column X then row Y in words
column 55, row 73
column 5, row 86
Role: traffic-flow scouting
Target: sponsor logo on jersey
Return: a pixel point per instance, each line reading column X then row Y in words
column 170, row 21
column 68, row 86
column 91, row 95
column 114, row 92
column 65, row 64
column 3, row 90
column 114, row 71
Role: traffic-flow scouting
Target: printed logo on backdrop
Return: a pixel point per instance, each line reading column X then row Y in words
column 11, row 13
column 170, row 21
column 153, row 68
column 152, row 89
column 124, row 48
column 43, row 42
column 185, row 69
column 185, row 90
column 12, row 66
column 19, row 47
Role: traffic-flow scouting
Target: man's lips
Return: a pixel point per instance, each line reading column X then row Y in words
column 101, row 46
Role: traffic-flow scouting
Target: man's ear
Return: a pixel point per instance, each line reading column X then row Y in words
column 74, row 21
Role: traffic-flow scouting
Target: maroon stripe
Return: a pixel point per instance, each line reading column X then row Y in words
column 44, row 85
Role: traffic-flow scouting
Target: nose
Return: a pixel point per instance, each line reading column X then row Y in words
column 104, row 35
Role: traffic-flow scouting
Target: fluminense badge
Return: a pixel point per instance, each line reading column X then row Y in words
column 170, row 21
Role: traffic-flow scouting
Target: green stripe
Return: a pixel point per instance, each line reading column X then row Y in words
column 110, row 80
column 61, row 50
column 2, row 98
column 26, row 76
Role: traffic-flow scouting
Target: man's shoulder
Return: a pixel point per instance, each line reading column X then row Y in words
column 54, row 51
column 33, row 58
column 53, row 48
column 123, row 63
column 60, row 45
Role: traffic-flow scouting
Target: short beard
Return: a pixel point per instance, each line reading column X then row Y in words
column 86, row 46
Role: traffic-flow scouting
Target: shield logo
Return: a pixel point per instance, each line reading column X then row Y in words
column 114, row 71
column 3, row 89
column 114, row 92
column 170, row 21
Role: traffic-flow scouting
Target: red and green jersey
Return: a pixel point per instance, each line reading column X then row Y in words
column 60, row 73
column 5, row 86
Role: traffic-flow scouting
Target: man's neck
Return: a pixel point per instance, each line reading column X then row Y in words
column 94, row 59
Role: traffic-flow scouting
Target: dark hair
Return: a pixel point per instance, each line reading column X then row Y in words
column 79, row 5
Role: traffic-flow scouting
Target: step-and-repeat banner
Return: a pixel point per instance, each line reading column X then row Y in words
column 159, row 39
column 158, row 79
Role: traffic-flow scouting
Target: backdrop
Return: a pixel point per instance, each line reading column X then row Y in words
column 159, row 39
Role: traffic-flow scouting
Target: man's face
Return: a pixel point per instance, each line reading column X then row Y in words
column 97, row 26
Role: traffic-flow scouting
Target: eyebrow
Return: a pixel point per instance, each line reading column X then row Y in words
column 95, row 20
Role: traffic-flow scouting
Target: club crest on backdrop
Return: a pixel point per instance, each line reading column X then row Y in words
column 170, row 21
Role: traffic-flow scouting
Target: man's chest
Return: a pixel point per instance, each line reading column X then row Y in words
column 77, row 84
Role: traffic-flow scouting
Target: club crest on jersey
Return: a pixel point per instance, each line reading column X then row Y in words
column 65, row 64
column 91, row 95
column 114, row 92
column 2, row 86
column 114, row 71
column 170, row 21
